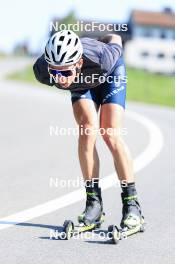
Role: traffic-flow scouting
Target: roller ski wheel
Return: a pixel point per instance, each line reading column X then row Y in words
column 68, row 229
column 114, row 234
column 143, row 228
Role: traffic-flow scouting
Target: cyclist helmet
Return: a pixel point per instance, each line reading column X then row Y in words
column 64, row 48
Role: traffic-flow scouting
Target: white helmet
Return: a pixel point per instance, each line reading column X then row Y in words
column 63, row 48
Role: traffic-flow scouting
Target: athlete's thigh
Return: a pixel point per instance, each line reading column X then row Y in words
column 113, row 96
column 111, row 115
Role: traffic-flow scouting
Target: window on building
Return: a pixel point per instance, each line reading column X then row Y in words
column 163, row 35
column 144, row 54
column 161, row 55
column 148, row 33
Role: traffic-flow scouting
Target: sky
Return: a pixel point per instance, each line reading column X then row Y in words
column 22, row 20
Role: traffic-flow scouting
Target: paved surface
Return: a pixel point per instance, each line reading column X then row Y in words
column 30, row 157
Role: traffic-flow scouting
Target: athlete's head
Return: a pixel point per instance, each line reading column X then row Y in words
column 63, row 53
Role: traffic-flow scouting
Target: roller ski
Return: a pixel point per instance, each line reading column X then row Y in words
column 91, row 218
column 132, row 220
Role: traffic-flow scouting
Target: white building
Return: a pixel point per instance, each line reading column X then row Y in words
column 153, row 42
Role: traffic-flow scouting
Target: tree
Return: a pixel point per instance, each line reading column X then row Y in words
column 65, row 23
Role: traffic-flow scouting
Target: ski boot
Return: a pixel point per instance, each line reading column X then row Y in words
column 91, row 218
column 93, row 214
column 132, row 219
column 132, row 215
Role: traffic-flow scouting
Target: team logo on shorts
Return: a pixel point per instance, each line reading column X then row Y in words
column 116, row 91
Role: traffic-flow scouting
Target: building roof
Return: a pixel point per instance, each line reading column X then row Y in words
column 161, row 19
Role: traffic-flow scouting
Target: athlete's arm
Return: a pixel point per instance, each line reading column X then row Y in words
column 111, row 38
column 41, row 72
column 112, row 51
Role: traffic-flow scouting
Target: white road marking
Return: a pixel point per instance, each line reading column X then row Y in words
column 152, row 150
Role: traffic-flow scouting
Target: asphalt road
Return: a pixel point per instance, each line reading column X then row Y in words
column 30, row 158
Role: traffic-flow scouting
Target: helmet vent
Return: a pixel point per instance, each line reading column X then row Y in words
column 69, row 41
column 76, row 41
column 73, row 55
column 69, row 61
column 53, row 56
column 53, row 40
column 61, row 38
column 46, row 53
column 58, row 49
column 62, row 57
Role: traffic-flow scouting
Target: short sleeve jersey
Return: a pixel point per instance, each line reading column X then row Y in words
column 99, row 60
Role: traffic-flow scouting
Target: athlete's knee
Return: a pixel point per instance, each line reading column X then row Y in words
column 87, row 132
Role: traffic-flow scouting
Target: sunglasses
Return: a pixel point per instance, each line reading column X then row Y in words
column 64, row 73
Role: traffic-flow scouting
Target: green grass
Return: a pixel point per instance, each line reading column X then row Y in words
column 150, row 88
column 25, row 75
column 2, row 55
column 142, row 86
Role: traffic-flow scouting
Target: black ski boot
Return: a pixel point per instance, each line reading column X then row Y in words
column 132, row 215
column 93, row 213
column 131, row 212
